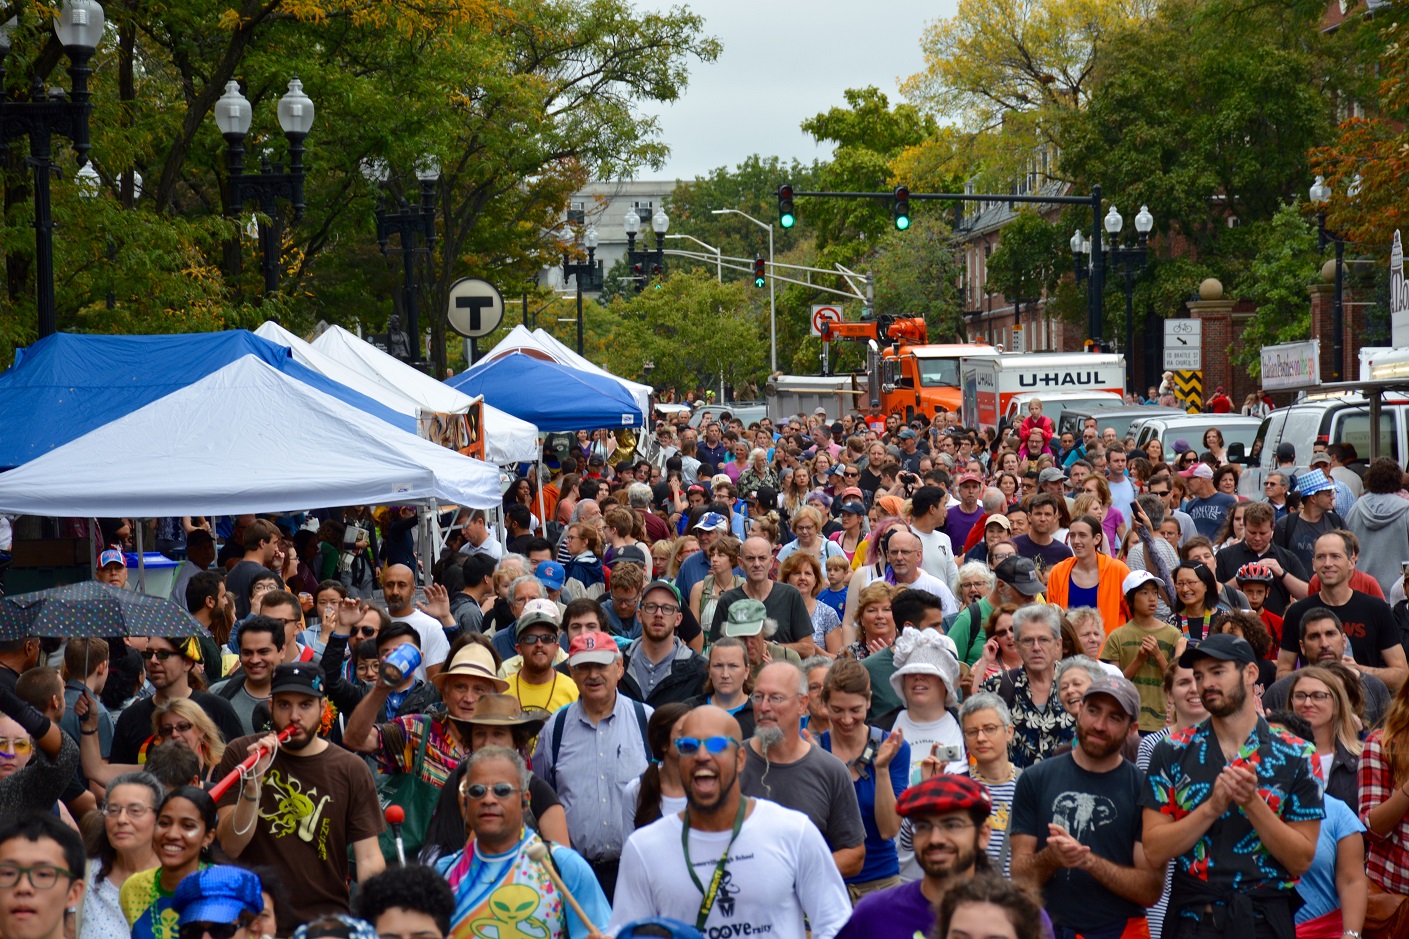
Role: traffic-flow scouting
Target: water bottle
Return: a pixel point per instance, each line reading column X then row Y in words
column 399, row 664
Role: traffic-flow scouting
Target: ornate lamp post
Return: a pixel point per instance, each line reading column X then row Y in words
column 588, row 274
column 79, row 26
column 232, row 115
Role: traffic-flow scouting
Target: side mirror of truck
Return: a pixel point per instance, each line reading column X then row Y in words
column 1237, row 453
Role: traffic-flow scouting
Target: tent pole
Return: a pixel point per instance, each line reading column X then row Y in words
column 538, row 480
column 141, row 558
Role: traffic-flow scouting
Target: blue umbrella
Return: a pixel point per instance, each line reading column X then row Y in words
column 93, row 610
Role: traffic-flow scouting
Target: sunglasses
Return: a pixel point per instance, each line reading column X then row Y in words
column 480, row 790
column 689, row 746
column 198, row 929
column 184, row 727
column 367, row 632
column 547, row 639
column 19, row 746
column 159, row 654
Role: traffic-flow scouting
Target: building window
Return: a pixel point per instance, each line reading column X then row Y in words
column 577, row 213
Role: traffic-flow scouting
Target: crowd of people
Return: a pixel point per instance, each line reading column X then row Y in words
column 854, row 677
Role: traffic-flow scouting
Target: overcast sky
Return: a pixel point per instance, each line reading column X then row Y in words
column 752, row 99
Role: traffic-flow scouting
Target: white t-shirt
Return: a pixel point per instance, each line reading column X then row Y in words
column 434, row 646
column 937, row 558
column 631, row 794
column 779, row 869
column 923, row 736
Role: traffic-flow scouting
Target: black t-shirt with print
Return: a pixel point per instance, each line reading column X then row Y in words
column 1368, row 623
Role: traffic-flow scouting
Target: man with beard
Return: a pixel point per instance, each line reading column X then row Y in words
column 319, row 801
column 1233, row 803
column 757, row 868
column 169, row 664
column 1324, row 642
column 949, row 816
column 1075, row 830
column 495, row 866
column 781, row 765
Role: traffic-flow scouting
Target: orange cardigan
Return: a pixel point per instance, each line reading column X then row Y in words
column 1109, row 600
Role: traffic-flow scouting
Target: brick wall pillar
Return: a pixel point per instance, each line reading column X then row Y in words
column 1322, row 325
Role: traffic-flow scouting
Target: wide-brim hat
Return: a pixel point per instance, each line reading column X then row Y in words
column 475, row 661
column 504, row 710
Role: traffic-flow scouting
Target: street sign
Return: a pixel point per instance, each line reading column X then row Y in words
column 824, row 313
column 475, row 307
column 1183, row 345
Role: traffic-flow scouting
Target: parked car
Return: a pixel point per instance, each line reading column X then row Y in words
column 1073, row 419
column 1325, row 419
column 1192, row 427
column 1056, row 403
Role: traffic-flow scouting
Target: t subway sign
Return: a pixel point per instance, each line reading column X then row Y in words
column 1074, row 379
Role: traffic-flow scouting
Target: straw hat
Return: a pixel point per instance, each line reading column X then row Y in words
column 475, row 661
column 504, row 710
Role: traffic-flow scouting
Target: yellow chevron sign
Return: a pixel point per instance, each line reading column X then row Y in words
column 1189, row 390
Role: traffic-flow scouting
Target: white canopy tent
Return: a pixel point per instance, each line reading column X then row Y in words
column 365, row 368
column 216, row 447
column 542, row 345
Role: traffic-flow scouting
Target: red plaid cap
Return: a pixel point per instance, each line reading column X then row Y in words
column 942, row 794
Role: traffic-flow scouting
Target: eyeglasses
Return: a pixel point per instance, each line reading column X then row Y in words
column 776, row 700
column 198, row 929
column 950, row 826
column 1301, row 697
column 987, row 730
column 159, row 654
column 480, row 790
column 41, row 876
column 689, row 746
column 134, row 811
column 367, row 632
column 547, row 639
column 184, row 727
column 668, row 609
column 20, row 746
column 1031, row 641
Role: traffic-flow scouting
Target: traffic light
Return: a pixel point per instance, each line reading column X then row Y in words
column 900, row 210
column 786, row 217
column 760, row 277
column 655, row 274
column 638, row 276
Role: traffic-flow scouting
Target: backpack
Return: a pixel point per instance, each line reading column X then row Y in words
column 555, row 740
column 1292, row 518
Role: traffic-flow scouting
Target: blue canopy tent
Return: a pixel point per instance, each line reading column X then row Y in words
column 550, row 395
column 68, row 384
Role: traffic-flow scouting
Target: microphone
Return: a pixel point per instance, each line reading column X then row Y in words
column 219, row 788
column 395, row 815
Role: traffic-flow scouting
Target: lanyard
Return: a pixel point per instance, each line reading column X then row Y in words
column 707, row 903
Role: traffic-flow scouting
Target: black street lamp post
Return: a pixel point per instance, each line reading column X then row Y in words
column 1132, row 260
column 232, row 115
column 414, row 225
column 1320, row 195
column 638, row 260
column 79, row 26
column 588, row 274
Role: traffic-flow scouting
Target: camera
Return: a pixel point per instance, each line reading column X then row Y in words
column 950, row 753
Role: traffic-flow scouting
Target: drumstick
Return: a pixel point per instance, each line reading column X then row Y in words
column 539, row 854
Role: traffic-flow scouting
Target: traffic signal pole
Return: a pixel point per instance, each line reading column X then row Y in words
column 901, row 196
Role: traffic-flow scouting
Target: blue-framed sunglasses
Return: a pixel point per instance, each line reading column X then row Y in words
column 689, row 746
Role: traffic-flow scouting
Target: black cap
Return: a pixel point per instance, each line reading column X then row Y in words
column 301, row 677
column 1019, row 573
column 1286, row 452
column 1222, row 646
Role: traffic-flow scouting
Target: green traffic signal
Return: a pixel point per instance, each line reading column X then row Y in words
column 786, row 217
column 900, row 209
column 759, row 278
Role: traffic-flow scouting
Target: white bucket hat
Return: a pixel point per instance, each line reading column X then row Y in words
column 925, row 652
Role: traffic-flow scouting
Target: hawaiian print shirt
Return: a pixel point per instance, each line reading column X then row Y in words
column 1037, row 731
column 1230, row 855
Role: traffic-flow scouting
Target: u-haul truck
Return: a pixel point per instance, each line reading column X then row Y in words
column 990, row 382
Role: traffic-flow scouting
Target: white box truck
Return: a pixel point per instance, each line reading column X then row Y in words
column 990, row 382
